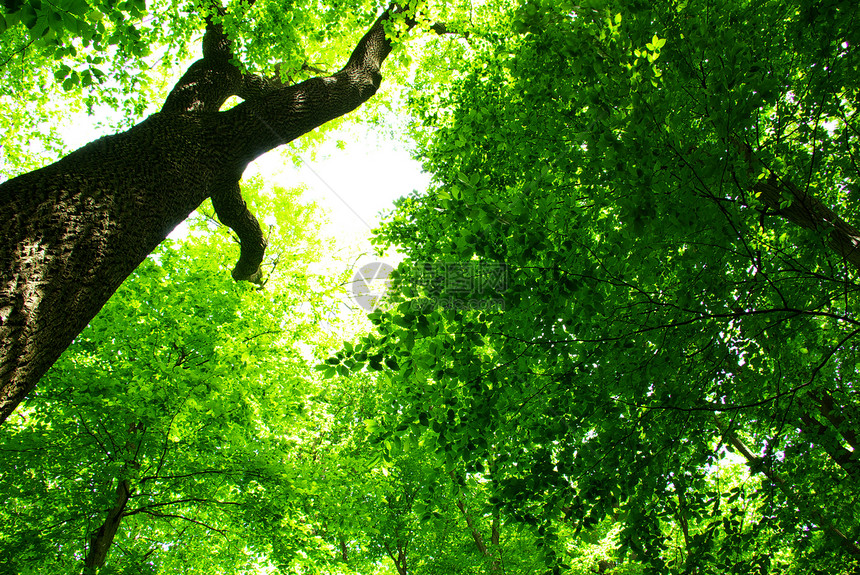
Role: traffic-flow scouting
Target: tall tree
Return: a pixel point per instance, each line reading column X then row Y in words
column 77, row 228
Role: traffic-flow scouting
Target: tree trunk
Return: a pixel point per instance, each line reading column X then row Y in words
column 808, row 212
column 77, row 228
column 490, row 553
column 102, row 538
column 845, row 425
column 400, row 558
column 495, row 539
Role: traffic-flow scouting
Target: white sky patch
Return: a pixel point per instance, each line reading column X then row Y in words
column 353, row 185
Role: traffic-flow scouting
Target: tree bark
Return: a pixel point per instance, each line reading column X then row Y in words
column 845, row 425
column 102, row 538
column 782, row 198
column 681, row 516
column 77, row 228
column 490, row 553
column 400, row 558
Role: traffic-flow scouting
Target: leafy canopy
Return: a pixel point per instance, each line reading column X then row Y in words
column 655, row 311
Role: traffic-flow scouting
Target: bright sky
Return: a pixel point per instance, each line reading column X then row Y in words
column 353, row 185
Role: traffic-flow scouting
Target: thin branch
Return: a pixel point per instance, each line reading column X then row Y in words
column 222, row 532
column 20, row 50
column 147, row 508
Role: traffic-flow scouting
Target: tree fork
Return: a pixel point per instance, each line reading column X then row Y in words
column 79, row 227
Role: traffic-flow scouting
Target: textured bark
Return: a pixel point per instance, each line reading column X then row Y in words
column 77, row 228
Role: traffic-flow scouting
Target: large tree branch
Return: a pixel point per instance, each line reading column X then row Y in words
column 399, row 559
column 76, row 229
column 233, row 212
column 273, row 114
column 834, row 414
column 810, row 213
column 821, row 436
column 781, row 197
column 473, row 529
column 281, row 115
column 209, row 81
column 758, row 465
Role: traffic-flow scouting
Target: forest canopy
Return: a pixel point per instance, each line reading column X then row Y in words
column 623, row 337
